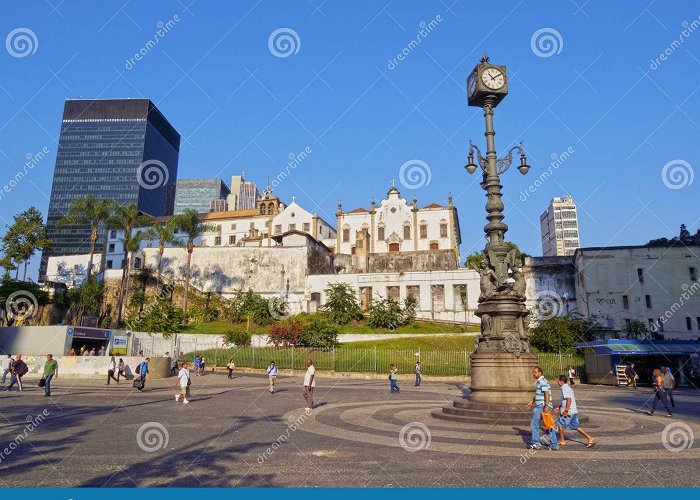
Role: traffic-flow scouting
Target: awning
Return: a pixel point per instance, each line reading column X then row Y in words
column 642, row 347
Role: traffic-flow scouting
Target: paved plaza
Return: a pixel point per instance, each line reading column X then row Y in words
column 234, row 433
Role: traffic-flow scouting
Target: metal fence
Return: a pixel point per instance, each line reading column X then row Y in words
column 373, row 360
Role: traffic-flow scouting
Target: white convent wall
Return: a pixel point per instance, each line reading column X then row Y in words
column 430, row 305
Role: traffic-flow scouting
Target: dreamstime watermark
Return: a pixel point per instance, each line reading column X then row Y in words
column 163, row 29
column 677, row 174
column 558, row 159
column 415, row 174
column 21, row 42
column 152, row 174
column 546, row 42
column 284, row 42
column 688, row 292
column 33, row 160
column 524, row 457
column 152, row 436
column 32, row 424
column 677, row 436
column 425, row 30
column 162, row 292
column 295, row 159
column 21, row 304
column 549, row 304
column 283, row 306
column 415, row 436
column 688, row 29
column 294, row 424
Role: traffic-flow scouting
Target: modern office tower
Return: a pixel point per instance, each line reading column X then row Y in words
column 198, row 194
column 559, row 226
column 117, row 149
column 244, row 194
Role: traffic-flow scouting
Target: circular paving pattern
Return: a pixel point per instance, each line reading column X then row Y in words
column 619, row 433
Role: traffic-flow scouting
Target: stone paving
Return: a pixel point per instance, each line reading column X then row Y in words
column 234, row 433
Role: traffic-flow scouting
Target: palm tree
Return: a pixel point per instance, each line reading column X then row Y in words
column 88, row 210
column 164, row 234
column 188, row 222
column 127, row 218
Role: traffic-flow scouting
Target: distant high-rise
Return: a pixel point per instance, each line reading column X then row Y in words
column 559, row 227
column 115, row 149
column 244, row 194
column 198, row 194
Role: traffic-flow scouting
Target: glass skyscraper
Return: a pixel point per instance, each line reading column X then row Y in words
column 118, row 149
column 198, row 194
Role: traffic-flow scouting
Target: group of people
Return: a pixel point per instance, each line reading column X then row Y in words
column 86, row 351
column 18, row 368
column 662, row 382
column 394, row 380
column 200, row 363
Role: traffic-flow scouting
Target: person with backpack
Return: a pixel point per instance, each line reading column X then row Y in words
column 142, row 371
column 10, row 364
column 272, row 376
column 50, row 372
column 19, row 370
column 183, row 381
column 416, row 370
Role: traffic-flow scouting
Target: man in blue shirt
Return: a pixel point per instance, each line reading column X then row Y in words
column 541, row 402
column 143, row 372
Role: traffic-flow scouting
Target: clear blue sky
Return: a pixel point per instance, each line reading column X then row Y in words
column 240, row 108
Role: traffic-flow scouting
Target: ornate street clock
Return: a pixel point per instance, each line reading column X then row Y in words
column 487, row 82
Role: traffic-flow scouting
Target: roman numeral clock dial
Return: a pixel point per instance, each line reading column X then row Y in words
column 493, row 78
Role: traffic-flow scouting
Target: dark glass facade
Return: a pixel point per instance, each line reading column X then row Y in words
column 102, row 145
column 197, row 194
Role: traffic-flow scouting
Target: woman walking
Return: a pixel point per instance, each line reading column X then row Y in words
column 393, row 379
column 111, row 368
column 659, row 392
column 231, row 365
column 120, row 369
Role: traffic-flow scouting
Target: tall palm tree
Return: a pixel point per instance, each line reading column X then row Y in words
column 127, row 218
column 164, row 234
column 188, row 222
column 88, row 210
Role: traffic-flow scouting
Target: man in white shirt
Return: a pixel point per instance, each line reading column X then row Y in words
column 309, row 384
column 183, row 380
column 569, row 413
column 272, row 375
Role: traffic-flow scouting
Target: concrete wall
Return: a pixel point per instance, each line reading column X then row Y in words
column 550, row 284
column 95, row 366
column 35, row 340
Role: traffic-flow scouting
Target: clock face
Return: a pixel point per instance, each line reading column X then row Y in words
column 471, row 84
column 493, row 78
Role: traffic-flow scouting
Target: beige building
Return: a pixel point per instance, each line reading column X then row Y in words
column 559, row 228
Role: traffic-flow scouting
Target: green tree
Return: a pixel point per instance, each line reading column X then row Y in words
column 127, row 218
column 20, row 300
column 7, row 264
column 560, row 334
column 318, row 332
column 24, row 237
column 385, row 313
column 88, row 210
column 636, row 330
column 164, row 235
column 160, row 315
column 189, row 223
column 341, row 303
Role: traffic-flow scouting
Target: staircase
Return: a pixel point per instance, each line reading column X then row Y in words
column 463, row 410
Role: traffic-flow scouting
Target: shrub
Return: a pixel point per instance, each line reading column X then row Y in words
column 158, row 316
column 410, row 304
column 385, row 313
column 238, row 337
column 318, row 332
column 560, row 334
column 285, row 333
column 341, row 304
column 253, row 304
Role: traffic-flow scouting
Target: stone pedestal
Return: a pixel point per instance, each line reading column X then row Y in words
column 502, row 378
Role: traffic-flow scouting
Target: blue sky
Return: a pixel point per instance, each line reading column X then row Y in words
column 239, row 107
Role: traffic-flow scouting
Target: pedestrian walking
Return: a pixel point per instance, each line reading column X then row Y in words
column 309, row 384
column 230, row 366
column 669, row 383
column 19, row 370
column 572, row 376
column 568, row 413
column 394, row 387
column 272, row 373
column 631, row 374
column 120, row 369
column 111, row 369
column 659, row 392
column 416, row 370
column 197, row 364
column 142, row 371
column 541, row 403
column 50, row 373
column 174, row 363
column 8, row 369
column 183, row 381
column 202, row 364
